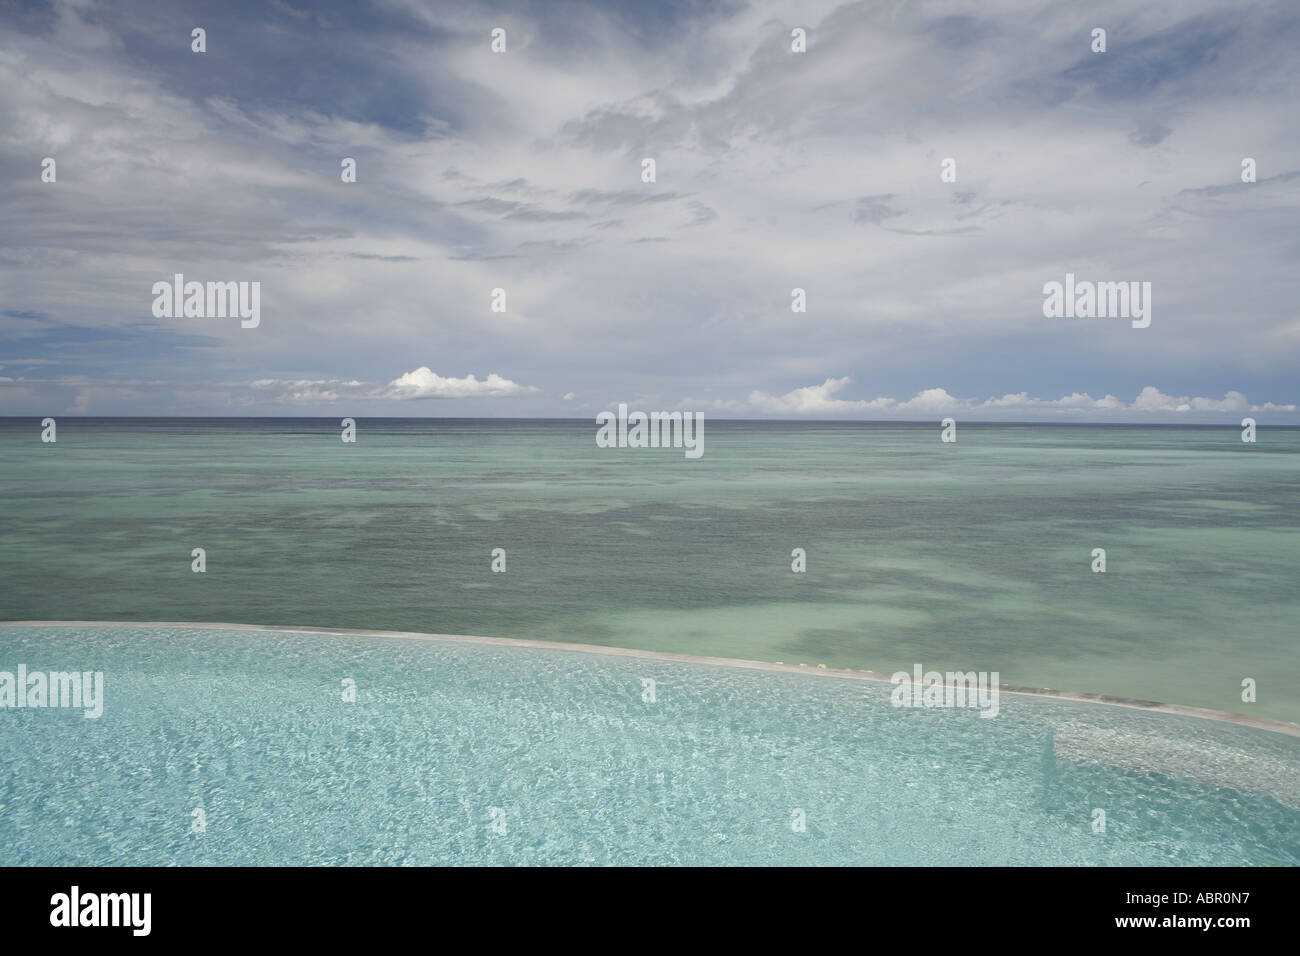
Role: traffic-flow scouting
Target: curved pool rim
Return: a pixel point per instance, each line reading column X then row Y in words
column 1185, row 710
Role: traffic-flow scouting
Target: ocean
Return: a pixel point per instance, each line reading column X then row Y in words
column 973, row 556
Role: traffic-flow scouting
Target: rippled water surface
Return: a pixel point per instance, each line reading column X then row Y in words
column 559, row 749
column 967, row 556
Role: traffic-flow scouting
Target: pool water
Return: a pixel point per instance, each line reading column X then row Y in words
column 464, row 753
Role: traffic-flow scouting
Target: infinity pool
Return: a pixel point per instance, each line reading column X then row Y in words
column 220, row 746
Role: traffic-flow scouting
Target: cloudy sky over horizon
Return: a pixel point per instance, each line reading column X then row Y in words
column 775, row 170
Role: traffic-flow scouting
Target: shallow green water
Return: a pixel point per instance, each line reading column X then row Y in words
column 971, row 556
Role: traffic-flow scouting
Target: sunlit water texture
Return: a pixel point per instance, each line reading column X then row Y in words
column 251, row 727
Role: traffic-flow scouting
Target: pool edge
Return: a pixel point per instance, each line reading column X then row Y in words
column 1204, row 713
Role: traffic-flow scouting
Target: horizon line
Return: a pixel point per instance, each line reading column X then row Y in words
column 926, row 422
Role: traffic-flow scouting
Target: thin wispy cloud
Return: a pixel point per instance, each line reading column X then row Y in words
column 775, row 170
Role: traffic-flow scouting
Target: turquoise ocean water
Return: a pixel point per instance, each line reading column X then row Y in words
column 972, row 556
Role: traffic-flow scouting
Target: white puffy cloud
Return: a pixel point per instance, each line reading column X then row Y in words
column 813, row 400
column 420, row 383
column 424, row 383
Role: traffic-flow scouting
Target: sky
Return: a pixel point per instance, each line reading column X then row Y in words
column 774, row 170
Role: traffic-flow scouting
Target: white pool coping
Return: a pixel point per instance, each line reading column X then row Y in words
column 1258, row 723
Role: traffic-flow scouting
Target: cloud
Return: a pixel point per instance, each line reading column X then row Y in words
column 1149, row 133
column 875, row 209
column 775, row 170
column 423, row 383
column 623, row 197
column 420, row 383
column 814, row 400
